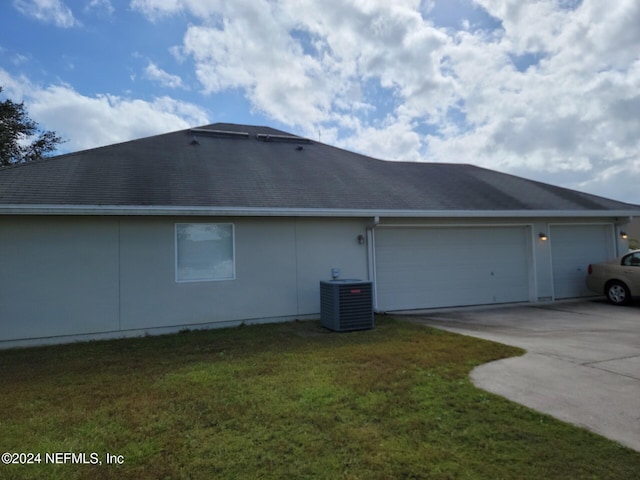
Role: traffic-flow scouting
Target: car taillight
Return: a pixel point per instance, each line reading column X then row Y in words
column 590, row 269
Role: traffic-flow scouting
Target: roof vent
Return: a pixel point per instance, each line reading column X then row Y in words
column 267, row 137
column 219, row 133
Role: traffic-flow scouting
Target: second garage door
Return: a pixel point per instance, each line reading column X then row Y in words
column 440, row 267
column 573, row 248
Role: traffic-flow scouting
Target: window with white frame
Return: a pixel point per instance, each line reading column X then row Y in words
column 204, row 252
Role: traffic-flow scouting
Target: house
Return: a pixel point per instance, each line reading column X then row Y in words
column 224, row 224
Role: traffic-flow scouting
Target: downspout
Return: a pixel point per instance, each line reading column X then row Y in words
column 371, row 258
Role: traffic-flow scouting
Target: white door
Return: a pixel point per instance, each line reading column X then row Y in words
column 440, row 267
column 573, row 248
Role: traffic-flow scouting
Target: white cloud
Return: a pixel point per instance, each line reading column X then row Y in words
column 396, row 141
column 106, row 119
column 19, row 59
column 47, row 11
column 156, row 9
column 153, row 72
column 252, row 50
column 100, row 6
column 308, row 69
column 569, row 116
column 88, row 122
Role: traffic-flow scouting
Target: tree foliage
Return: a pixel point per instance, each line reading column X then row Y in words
column 20, row 138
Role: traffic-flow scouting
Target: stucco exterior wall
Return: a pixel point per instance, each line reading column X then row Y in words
column 115, row 276
column 279, row 264
column 58, row 276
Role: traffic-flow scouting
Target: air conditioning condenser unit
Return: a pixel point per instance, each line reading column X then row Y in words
column 346, row 305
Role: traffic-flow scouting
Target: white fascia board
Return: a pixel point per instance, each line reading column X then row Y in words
column 136, row 210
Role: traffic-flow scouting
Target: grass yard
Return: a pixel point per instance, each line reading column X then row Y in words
column 284, row 401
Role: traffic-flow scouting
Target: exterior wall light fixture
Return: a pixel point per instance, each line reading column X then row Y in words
column 543, row 237
column 623, row 235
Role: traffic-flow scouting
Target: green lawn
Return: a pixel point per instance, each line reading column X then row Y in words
column 288, row 401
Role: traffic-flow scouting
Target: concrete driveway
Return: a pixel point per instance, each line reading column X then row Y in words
column 582, row 365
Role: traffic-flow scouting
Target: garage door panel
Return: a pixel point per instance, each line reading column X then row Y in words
column 436, row 267
column 573, row 248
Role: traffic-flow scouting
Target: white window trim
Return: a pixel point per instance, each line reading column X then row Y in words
column 233, row 252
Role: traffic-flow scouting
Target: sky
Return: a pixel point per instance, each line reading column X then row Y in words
column 544, row 89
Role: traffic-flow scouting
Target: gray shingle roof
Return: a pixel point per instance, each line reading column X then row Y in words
column 192, row 168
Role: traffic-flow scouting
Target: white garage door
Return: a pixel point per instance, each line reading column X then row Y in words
column 573, row 248
column 440, row 267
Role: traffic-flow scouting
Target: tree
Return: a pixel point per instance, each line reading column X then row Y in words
column 20, row 138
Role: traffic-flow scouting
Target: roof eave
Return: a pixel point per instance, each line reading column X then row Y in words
column 138, row 210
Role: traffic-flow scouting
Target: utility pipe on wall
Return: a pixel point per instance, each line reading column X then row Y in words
column 371, row 259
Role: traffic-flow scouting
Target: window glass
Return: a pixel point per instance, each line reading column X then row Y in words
column 204, row 251
column 632, row 260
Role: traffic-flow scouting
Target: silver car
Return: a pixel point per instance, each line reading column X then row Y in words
column 618, row 279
